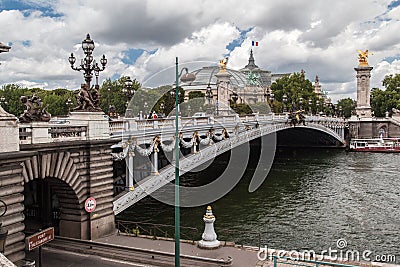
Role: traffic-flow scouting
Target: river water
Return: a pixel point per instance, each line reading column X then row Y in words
column 310, row 199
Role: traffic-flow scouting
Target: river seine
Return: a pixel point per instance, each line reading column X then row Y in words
column 309, row 200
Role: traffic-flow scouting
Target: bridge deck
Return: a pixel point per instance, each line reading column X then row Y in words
column 237, row 138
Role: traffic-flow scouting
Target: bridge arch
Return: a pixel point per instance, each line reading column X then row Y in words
column 55, row 179
column 308, row 136
column 328, row 132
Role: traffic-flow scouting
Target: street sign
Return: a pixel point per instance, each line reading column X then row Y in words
column 41, row 238
column 90, row 204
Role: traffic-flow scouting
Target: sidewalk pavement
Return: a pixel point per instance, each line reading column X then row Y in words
column 241, row 256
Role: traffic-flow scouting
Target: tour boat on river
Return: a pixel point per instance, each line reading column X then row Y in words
column 375, row 145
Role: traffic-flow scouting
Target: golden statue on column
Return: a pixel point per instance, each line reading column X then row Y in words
column 362, row 57
column 222, row 65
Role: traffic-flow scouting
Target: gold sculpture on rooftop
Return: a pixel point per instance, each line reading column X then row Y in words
column 362, row 57
column 222, row 65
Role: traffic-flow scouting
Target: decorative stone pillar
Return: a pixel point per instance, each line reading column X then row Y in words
column 96, row 122
column 155, row 162
column 209, row 237
column 9, row 132
column 223, row 92
column 154, row 170
column 363, row 70
column 129, row 183
column 195, row 137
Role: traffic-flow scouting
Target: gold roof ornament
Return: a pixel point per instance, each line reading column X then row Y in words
column 222, row 65
column 362, row 57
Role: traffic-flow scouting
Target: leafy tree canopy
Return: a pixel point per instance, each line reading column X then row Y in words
column 346, row 105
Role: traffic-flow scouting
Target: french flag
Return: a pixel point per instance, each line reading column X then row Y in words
column 254, row 43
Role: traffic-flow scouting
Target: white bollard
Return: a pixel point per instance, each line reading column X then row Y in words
column 209, row 237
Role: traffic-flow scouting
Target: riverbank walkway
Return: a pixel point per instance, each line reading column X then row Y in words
column 242, row 256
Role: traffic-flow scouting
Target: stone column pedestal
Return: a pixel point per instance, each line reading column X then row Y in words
column 223, row 94
column 209, row 237
column 363, row 108
column 97, row 123
column 9, row 132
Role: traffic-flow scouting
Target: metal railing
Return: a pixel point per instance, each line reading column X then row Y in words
column 236, row 236
column 156, row 230
column 304, row 262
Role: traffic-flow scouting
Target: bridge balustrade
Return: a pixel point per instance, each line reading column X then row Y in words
column 47, row 133
column 116, row 126
column 58, row 132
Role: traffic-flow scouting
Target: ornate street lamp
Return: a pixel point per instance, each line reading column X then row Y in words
column 69, row 103
column 162, row 107
column 235, row 98
column 209, row 96
column 301, row 103
column 189, row 109
column 3, row 232
column 217, row 100
column 187, row 77
column 284, row 99
column 4, row 48
column 88, row 64
column 108, row 99
column 128, row 90
column 271, row 99
column 310, row 106
column 145, row 106
column 3, row 101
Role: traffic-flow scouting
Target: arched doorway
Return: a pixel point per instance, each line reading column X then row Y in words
column 55, row 193
column 49, row 202
column 382, row 132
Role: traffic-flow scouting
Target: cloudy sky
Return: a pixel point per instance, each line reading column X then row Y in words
column 141, row 38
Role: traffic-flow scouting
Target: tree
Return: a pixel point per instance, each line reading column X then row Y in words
column 294, row 86
column 383, row 101
column 112, row 94
column 347, row 105
column 56, row 101
column 243, row 109
column 12, row 94
column 196, row 94
column 392, row 82
column 195, row 103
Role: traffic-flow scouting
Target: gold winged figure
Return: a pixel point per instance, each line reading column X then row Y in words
column 363, row 56
column 222, row 64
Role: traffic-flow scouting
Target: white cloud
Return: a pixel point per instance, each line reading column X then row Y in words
column 319, row 37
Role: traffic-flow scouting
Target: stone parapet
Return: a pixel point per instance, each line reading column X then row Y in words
column 96, row 122
column 8, row 132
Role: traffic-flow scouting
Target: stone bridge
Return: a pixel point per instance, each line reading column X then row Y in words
column 49, row 169
column 205, row 138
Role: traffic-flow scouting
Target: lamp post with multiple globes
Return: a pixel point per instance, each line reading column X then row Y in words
column 88, row 65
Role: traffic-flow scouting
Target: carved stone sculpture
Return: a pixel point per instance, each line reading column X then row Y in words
column 88, row 99
column 34, row 110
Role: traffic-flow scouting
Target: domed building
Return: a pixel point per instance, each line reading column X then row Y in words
column 250, row 84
